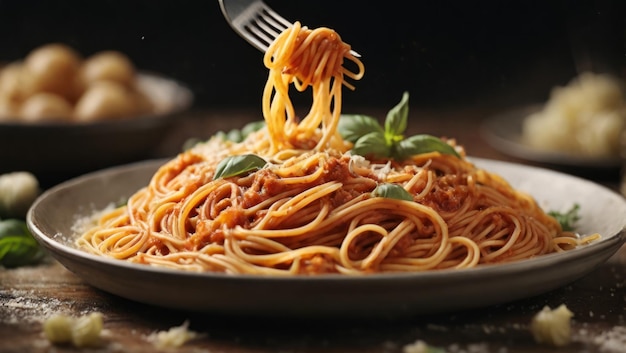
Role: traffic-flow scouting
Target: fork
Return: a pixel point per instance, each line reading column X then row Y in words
column 253, row 20
column 256, row 22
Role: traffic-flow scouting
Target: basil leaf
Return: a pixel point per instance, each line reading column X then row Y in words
column 233, row 135
column 237, row 165
column 418, row 144
column 392, row 191
column 372, row 144
column 17, row 245
column 190, row 143
column 352, row 127
column 372, row 140
column 396, row 120
column 568, row 219
column 252, row 127
column 238, row 135
column 18, row 251
column 13, row 227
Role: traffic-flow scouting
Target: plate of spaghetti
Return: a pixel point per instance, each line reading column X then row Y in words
column 329, row 214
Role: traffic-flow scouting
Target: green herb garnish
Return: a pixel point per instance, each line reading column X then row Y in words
column 237, row 165
column 17, row 245
column 371, row 139
column 234, row 135
column 392, row 191
column 238, row 135
column 568, row 219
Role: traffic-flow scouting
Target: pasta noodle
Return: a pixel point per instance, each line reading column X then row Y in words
column 312, row 209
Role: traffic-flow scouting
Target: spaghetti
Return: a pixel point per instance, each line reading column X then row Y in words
column 312, row 209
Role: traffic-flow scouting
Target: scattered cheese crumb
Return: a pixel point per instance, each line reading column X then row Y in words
column 83, row 331
column 174, row 337
column 420, row 346
column 552, row 326
column 612, row 341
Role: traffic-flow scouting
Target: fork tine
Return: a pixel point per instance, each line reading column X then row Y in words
column 280, row 23
column 271, row 26
column 277, row 20
column 267, row 25
column 273, row 33
column 258, row 37
column 256, row 22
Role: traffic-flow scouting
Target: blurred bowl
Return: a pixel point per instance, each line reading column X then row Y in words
column 54, row 152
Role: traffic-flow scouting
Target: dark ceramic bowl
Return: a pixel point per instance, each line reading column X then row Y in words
column 58, row 151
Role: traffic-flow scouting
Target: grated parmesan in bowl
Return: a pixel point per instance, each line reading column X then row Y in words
column 585, row 117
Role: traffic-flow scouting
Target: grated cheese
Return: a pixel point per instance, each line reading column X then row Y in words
column 174, row 337
column 552, row 327
column 83, row 331
column 585, row 117
column 612, row 341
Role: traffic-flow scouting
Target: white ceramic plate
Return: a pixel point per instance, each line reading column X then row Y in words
column 503, row 132
column 383, row 295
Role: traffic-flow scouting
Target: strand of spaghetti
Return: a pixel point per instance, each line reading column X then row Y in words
column 256, row 244
column 232, row 265
column 115, row 217
column 386, row 244
column 411, row 207
column 304, row 198
column 263, row 221
column 172, row 262
column 405, row 264
column 298, row 218
column 470, row 260
column 158, row 217
column 353, row 234
column 492, row 216
column 330, row 126
column 295, row 175
column 502, row 246
column 327, row 238
column 247, row 263
column 278, row 48
column 420, row 184
column 165, row 239
column 241, row 232
column 280, row 257
column 219, row 187
column 272, row 202
column 463, row 216
column 319, row 109
column 568, row 242
column 121, row 243
column 274, row 116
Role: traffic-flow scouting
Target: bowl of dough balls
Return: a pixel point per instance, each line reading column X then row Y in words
column 63, row 114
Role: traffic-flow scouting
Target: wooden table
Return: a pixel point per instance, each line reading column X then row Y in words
column 29, row 295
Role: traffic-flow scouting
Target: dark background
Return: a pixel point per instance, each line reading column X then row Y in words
column 445, row 53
